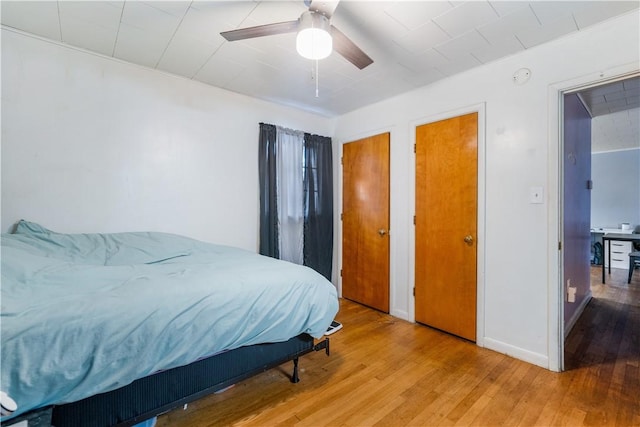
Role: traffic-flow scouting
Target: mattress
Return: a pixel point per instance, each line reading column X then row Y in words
column 87, row 313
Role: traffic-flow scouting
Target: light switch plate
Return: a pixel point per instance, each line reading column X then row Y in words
column 536, row 195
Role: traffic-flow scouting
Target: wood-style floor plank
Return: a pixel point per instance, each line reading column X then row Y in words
column 387, row 372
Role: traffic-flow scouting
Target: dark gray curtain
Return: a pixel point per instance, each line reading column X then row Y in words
column 268, row 204
column 318, row 221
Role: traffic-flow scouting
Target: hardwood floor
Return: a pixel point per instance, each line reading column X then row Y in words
column 387, row 372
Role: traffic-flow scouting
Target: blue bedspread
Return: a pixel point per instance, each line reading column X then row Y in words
column 87, row 313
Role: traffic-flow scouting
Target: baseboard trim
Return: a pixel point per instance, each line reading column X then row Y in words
column 400, row 314
column 517, row 352
column 576, row 315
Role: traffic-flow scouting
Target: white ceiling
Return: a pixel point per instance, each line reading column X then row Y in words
column 412, row 43
column 612, row 97
column 616, row 131
column 615, row 109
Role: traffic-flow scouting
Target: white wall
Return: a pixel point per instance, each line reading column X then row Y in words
column 615, row 197
column 92, row 144
column 516, row 247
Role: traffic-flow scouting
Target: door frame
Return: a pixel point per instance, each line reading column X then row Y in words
column 481, row 215
column 338, row 202
column 555, row 230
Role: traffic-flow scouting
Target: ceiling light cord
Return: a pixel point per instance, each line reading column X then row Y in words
column 317, row 78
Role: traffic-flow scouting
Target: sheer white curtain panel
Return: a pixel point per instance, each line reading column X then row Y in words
column 290, row 193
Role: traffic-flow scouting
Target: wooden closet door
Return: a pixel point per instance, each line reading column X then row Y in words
column 365, row 222
column 446, row 225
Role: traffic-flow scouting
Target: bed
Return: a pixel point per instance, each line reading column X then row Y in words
column 113, row 329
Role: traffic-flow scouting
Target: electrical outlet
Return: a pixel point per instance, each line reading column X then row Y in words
column 571, row 292
column 536, row 195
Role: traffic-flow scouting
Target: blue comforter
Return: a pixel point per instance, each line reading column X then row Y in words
column 87, row 313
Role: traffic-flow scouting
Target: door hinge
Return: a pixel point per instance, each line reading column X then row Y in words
column 559, row 246
column 414, row 220
column 342, row 160
column 414, row 148
column 414, row 291
column 341, row 217
column 340, row 272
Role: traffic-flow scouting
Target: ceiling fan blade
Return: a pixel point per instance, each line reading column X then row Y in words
column 261, row 30
column 348, row 49
column 325, row 7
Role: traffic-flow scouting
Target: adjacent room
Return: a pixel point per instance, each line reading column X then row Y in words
column 315, row 212
column 608, row 152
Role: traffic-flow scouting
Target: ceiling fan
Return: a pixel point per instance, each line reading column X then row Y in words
column 313, row 27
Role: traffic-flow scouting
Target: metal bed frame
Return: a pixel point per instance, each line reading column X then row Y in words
column 167, row 390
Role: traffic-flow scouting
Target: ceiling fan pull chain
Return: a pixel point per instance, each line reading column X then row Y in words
column 317, row 77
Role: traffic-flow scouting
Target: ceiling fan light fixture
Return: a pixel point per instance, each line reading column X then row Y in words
column 314, row 36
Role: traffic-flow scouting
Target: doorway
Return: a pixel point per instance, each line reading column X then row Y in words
column 365, row 221
column 600, row 101
column 446, row 203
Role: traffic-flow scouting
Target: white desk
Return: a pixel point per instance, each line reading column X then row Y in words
column 621, row 237
column 615, row 253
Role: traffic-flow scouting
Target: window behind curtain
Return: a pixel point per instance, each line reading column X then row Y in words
column 296, row 197
column 290, row 193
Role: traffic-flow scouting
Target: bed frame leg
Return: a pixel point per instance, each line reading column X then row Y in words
column 322, row 345
column 294, row 377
